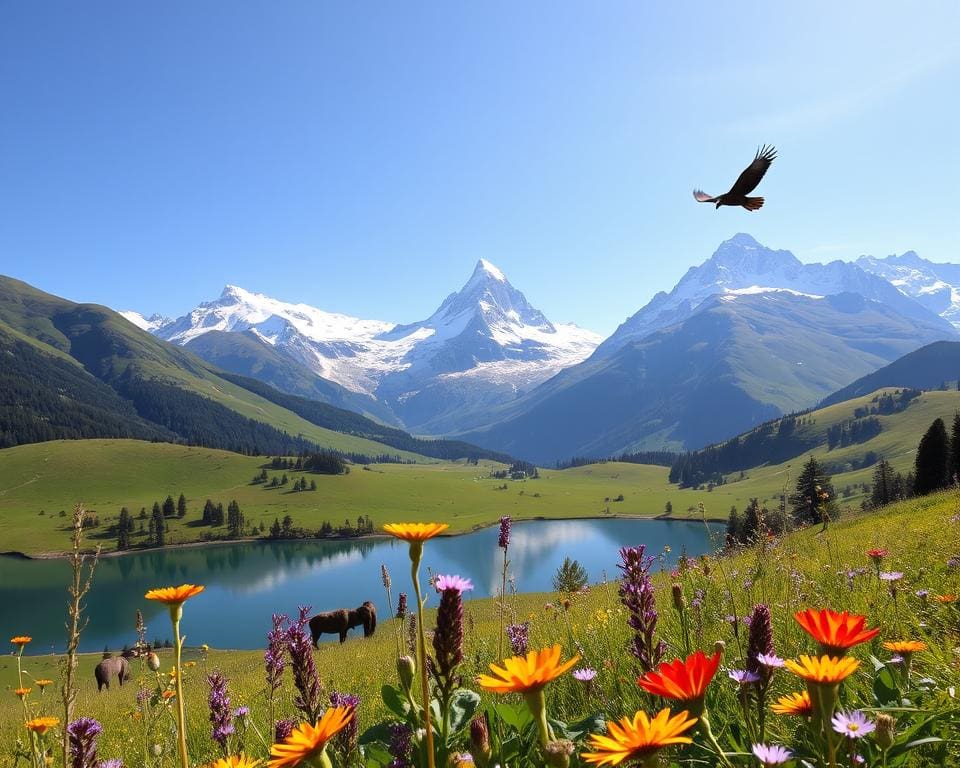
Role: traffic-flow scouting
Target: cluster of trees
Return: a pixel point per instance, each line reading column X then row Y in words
column 325, row 463
column 888, row 403
column 852, row 432
column 659, row 458
column 285, row 529
column 518, row 470
column 937, row 463
column 755, row 523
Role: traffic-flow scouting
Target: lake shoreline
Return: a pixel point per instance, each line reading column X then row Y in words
column 365, row 537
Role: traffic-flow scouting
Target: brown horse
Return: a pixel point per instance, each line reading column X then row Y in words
column 342, row 621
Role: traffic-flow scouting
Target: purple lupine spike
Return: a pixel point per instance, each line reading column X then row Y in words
column 82, row 736
column 282, row 730
column 402, row 606
column 504, row 539
column 347, row 738
column 760, row 640
column 305, row 677
column 448, row 637
column 274, row 658
column 112, row 762
column 637, row 595
column 400, row 746
column 221, row 717
column 519, row 636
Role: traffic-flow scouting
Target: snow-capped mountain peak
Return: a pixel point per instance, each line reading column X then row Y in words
column 149, row 324
column 935, row 286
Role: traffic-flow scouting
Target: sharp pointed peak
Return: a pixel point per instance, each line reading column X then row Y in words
column 488, row 269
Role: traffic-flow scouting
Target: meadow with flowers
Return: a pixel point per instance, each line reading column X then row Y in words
column 836, row 647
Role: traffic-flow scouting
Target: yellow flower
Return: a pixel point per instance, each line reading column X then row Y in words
column 21, row 640
column 521, row 674
column 637, row 738
column 43, row 683
column 40, row 725
column 174, row 595
column 189, row 664
column 22, row 692
column 823, row 669
column 905, row 646
column 235, row 761
column 415, row 531
column 307, row 740
column 794, row 704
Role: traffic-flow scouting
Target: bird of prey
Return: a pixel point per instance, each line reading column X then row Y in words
column 745, row 184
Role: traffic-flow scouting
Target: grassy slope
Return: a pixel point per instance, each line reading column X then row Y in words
column 807, row 569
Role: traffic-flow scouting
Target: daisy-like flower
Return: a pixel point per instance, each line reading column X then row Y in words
column 904, row 647
column 235, row 761
column 770, row 660
column 42, row 683
column 771, row 754
column 825, row 670
column 22, row 692
column 877, row 554
column 682, row 679
column 21, row 640
column 743, row 676
column 168, row 694
column 639, row 737
column 453, row 582
column 836, row 632
column 852, row 724
column 40, row 725
column 944, row 599
column 174, row 595
column 891, row 575
column 309, row 741
column 584, row 675
column 794, row 704
column 415, row 531
column 524, row 674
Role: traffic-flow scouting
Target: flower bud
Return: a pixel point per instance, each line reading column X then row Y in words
column 406, row 670
column 153, row 661
column 678, row 600
column 480, row 740
column 157, row 750
column 557, row 753
column 719, row 647
column 885, row 731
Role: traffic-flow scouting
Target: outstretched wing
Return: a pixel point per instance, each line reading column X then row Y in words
column 754, row 172
column 702, row 197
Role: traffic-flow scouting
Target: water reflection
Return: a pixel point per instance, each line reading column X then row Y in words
column 248, row 582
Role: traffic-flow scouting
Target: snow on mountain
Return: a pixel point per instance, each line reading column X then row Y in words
column 741, row 265
column 149, row 324
column 935, row 286
column 486, row 336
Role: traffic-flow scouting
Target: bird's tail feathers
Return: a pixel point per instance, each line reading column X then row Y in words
column 753, row 203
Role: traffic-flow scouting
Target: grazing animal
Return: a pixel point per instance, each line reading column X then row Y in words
column 112, row 666
column 744, row 185
column 342, row 621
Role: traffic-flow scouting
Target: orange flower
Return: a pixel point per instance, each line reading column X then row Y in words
column 905, row 646
column 174, row 595
column 639, row 737
column 794, row 704
column 168, row 694
column 21, row 640
column 877, row 554
column 22, row 692
column 824, row 669
column 235, row 761
column 415, row 531
column 836, row 632
column 945, row 598
column 308, row 741
column 40, row 725
column 524, row 674
column 683, row 680
column 43, row 683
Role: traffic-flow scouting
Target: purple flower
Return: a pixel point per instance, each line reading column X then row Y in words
column 385, row 576
column 241, row 713
column 82, row 736
column 402, row 606
column 282, row 730
column 519, row 636
column 584, row 675
column 400, row 746
column 273, row 657
column 744, row 676
column 458, row 583
column 922, row 593
column 504, row 541
column 771, row 754
column 953, row 563
column 760, row 639
column 113, row 762
column 347, row 738
column 891, row 575
column 852, row 724
column 636, row 593
column 771, row 660
column 304, row 668
column 219, row 702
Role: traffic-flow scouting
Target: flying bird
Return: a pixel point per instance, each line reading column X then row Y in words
column 747, row 182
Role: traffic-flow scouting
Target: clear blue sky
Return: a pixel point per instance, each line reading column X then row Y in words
column 362, row 156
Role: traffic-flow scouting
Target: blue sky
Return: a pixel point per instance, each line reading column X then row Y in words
column 361, row 157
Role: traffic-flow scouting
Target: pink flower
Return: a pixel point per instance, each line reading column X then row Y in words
column 453, row 582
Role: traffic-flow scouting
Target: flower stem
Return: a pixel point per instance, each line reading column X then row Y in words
column 175, row 614
column 422, row 653
column 708, row 734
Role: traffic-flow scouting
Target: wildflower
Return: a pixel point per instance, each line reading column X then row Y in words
column 639, row 737
column 905, row 647
column 824, row 669
column 308, row 742
column 220, row 715
column 797, row 704
column 174, row 597
column 891, row 575
column 22, row 693
column 953, row 563
column 679, row 602
column 744, row 676
column 772, row 660
column 385, row 576
column 504, row 539
column 836, row 632
column 235, row 761
column 945, row 599
column 852, row 724
column 274, row 659
column 241, row 713
column 302, row 663
column 406, row 669
column 557, row 753
column 42, row 683
column 153, row 661
column 885, row 731
column 922, row 593
column 877, row 555
column 116, row 762
column 457, row 583
column 448, row 637
column 522, row 674
column 402, row 606
column 400, row 747
column 771, row 754
column 282, row 729
column 637, row 594
column 40, row 725
column 347, row 737
column 168, row 694
column 415, row 532
column 683, row 679
column 82, row 738
column 584, row 675
column 760, row 640
column 519, row 636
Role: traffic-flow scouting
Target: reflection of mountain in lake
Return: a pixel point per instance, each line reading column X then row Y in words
column 247, row 582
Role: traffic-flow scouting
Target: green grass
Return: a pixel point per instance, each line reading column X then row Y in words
column 808, row 568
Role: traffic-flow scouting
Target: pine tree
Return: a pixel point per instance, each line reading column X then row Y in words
column 953, row 471
column 124, row 528
column 156, row 509
column 209, row 511
column 235, row 520
column 313, row 485
column 734, row 527
column 752, row 522
column 182, row 506
column 169, row 507
column 933, row 454
column 159, row 526
column 275, row 529
column 812, row 501
column 883, row 491
column 287, row 526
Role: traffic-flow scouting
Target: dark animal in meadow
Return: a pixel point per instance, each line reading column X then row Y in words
column 112, row 666
column 342, row 621
column 745, row 184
